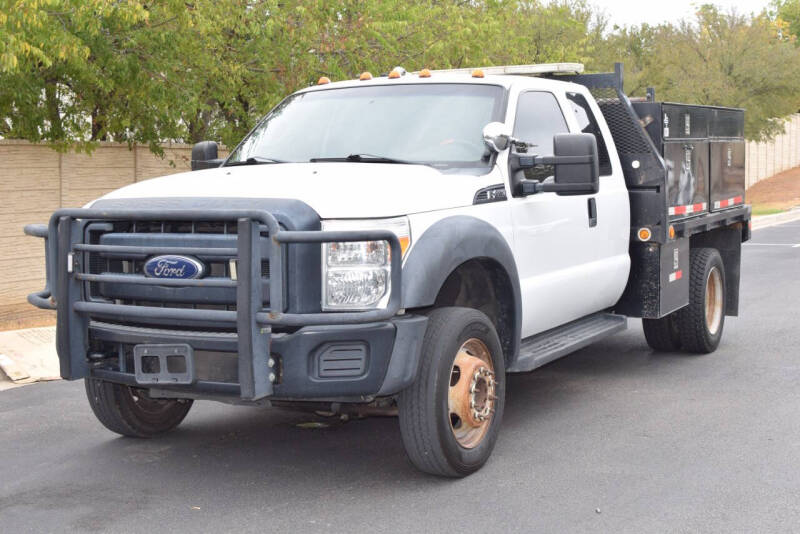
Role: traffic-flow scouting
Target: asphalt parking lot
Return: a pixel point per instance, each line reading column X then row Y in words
column 614, row 438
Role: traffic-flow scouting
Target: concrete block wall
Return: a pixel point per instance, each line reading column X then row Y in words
column 35, row 181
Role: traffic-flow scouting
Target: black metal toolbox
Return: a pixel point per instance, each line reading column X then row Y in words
column 704, row 154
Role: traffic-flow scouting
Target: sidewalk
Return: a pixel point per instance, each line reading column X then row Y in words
column 764, row 221
column 29, row 355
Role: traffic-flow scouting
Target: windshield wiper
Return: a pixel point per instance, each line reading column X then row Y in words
column 365, row 158
column 254, row 160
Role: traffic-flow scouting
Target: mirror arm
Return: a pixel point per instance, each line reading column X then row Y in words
column 526, row 162
column 532, row 187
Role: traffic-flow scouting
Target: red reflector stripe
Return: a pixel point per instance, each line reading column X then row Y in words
column 677, row 275
column 728, row 202
column 690, row 208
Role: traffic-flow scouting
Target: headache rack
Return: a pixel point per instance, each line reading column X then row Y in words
column 69, row 277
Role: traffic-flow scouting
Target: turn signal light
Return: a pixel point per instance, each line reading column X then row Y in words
column 405, row 242
column 477, row 73
column 425, row 73
column 365, row 76
column 644, row 234
column 323, row 80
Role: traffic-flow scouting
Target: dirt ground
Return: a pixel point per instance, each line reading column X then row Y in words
column 778, row 193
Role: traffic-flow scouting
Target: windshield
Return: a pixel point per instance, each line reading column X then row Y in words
column 433, row 124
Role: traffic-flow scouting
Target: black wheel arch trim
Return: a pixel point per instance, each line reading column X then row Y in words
column 446, row 245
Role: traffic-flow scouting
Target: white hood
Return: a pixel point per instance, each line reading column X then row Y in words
column 333, row 190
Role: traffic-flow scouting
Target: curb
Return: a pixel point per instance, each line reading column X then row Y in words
column 765, row 221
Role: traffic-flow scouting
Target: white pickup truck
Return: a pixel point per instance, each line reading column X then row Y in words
column 403, row 242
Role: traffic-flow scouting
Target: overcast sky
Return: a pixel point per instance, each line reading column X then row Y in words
column 627, row 12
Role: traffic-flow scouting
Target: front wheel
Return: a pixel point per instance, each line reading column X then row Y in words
column 131, row 412
column 450, row 417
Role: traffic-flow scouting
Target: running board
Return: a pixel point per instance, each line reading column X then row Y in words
column 543, row 348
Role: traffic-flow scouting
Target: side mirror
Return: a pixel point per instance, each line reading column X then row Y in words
column 495, row 136
column 205, row 155
column 577, row 167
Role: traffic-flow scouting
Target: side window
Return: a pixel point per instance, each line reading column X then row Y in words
column 539, row 118
column 588, row 124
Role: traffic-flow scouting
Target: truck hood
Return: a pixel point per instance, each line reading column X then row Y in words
column 333, row 190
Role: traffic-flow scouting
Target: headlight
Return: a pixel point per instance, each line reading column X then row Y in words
column 357, row 275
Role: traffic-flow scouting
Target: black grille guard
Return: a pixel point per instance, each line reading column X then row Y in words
column 63, row 290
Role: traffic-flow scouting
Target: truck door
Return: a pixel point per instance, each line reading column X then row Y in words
column 571, row 251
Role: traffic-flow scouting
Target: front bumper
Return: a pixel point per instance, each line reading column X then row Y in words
column 353, row 363
column 274, row 353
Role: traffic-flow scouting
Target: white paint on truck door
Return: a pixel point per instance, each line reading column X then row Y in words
column 567, row 268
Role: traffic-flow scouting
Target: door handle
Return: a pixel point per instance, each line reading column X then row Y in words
column 592, row 206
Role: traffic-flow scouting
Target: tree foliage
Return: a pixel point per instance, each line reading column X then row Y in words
column 74, row 72
column 717, row 59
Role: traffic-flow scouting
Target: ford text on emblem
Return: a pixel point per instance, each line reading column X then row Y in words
column 180, row 267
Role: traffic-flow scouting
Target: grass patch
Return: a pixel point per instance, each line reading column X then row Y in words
column 766, row 210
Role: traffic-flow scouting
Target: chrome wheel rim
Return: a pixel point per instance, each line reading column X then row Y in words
column 472, row 393
column 713, row 306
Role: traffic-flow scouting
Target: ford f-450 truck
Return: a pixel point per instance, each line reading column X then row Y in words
column 403, row 242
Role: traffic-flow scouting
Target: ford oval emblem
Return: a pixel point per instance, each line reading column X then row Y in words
column 180, row 267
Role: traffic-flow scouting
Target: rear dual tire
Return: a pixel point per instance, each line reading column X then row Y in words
column 698, row 326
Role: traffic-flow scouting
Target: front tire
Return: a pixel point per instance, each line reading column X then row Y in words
column 450, row 416
column 131, row 412
column 701, row 322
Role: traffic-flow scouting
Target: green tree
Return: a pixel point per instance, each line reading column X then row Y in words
column 717, row 59
column 787, row 12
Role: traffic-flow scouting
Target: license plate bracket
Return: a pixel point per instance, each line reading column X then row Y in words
column 164, row 364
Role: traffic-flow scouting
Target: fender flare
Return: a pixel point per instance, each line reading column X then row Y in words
column 444, row 247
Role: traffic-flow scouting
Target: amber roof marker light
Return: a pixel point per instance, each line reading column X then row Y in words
column 366, row 75
column 323, row 80
column 425, row 73
column 477, row 73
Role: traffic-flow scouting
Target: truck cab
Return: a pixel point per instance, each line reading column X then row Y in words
column 398, row 242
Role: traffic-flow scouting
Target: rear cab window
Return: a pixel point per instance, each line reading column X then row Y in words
column 588, row 124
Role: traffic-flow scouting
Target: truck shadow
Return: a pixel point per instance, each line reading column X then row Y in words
column 272, row 449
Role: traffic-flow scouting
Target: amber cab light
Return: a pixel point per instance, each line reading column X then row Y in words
column 425, row 73
column 394, row 75
column 477, row 73
column 365, row 76
column 323, row 80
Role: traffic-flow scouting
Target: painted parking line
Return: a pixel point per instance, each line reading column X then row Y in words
column 772, row 245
